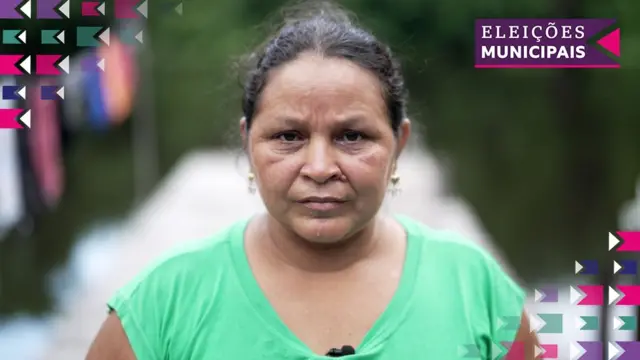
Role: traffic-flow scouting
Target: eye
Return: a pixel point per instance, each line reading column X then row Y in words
column 288, row 136
column 351, row 136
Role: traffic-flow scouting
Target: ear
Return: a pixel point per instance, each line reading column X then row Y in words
column 244, row 132
column 404, row 132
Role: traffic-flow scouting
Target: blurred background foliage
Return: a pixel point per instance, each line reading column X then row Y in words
column 545, row 157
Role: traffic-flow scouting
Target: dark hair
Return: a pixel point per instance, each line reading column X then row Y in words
column 322, row 27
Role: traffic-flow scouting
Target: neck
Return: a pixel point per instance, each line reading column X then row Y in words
column 285, row 247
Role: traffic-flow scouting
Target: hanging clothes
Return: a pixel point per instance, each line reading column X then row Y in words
column 74, row 107
column 45, row 146
column 118, row 80
column 94, row 93
column 11, row 199
column 67, row 133
column 100, row 98
column 32, row 198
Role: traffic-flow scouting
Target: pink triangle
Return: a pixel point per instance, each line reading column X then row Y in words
column 611, row 42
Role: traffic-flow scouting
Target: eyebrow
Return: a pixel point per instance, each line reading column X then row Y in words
column 291, row 121
column 351, row 121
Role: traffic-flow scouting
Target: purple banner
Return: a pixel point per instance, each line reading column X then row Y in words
column 545, row 43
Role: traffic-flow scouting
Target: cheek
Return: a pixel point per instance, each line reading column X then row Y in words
column 368, row 172
column 275, row 172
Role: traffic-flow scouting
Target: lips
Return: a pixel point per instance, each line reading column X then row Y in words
column 322, row 203
column 322, row 199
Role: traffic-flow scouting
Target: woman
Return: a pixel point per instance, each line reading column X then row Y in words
column 322, row 273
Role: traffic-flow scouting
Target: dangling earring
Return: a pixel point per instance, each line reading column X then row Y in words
column 252, row 186
column 395, row 184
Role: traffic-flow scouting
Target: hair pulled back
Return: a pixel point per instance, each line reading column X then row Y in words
column 327, row 30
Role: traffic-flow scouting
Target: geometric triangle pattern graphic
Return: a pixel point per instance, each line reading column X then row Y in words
column 611, row 42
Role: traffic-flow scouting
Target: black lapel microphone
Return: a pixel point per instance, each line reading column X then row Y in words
column 344, row 351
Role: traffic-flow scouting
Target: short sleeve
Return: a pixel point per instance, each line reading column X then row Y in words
column 506, row 301
column 140, row 308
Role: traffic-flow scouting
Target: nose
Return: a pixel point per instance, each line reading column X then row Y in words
column 320, row 164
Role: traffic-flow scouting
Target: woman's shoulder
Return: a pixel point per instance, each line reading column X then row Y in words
column 192, row 271
column 469, row 278
column 444, row 241
column 446, row 249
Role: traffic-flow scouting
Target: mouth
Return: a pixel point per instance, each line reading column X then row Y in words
column 322, row 203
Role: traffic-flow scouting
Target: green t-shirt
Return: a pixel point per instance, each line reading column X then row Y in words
column 201, row 302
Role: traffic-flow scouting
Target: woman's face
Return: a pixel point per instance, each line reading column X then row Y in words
column 322, row 148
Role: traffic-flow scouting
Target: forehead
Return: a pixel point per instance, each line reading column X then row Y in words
column 313, row 85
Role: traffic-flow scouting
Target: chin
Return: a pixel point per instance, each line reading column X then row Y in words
column 323, row 230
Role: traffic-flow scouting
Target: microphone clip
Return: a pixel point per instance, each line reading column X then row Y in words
column 344, row 351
